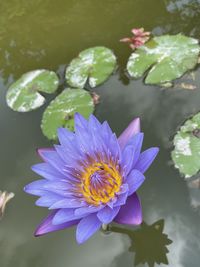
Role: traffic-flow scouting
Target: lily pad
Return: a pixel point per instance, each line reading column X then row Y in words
column 94, row 64
column 23, row 95
column 165, row 58
column 60, row 112
column 186, row 153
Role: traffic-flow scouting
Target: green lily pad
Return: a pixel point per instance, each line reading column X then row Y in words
column 60, row 112
column 94, row 64
column 165, row 58
column 186, row 153
column 23, row 95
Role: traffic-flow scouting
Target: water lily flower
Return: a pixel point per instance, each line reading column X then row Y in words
column 4, row 198
column 139, row 38
column 91, row 178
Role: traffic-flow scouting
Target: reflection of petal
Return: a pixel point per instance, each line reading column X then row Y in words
column 4, row 198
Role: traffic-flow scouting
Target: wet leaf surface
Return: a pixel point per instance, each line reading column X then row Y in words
column 186, row 153
column 164, row 58
column 60, row 112
column 23, row 95
column 94, row 64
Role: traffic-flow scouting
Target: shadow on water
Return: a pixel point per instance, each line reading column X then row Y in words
column 148, row 243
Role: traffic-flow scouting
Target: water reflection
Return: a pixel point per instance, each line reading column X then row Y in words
column 187, row 8
column 148, row 242
column 187, row 13
column 194, row 191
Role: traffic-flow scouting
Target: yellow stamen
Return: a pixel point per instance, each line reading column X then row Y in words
column 105, row 189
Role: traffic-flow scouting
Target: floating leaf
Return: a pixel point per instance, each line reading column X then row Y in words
column 186, row 154
column 165, row 58
column 61, row 110
column 94, row 64
column 23, row 95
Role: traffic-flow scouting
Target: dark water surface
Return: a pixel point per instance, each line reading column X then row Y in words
column 48, row 34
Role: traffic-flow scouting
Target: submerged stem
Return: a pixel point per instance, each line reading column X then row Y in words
column 105, row 227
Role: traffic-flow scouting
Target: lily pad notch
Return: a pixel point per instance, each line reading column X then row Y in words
column 164, row 58
column 94, row 65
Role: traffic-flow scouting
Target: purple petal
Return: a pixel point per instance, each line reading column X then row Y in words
column 87, row 227
column 93, row 123
column 62, row 185
column 146, row 158
column 110, row 140
column 65, row 215
column 136, row 143
column 134, row 181
column 68, row 203
column 131, row 212
column 46, row 225
column 132, row 129
column 42, row 150
column 65, row 136
column 123, row 189
column 128, row 155
column 112, row 202
column 106, row 215
column 36, row 187
column 53, row 159
column 87, row 210
column 121, row 199
column 80, row 122
column 48, row 199
column 47, row 171
column 131, row 153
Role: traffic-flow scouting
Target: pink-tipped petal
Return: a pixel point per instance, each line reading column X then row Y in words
column 131, row 212
column 132, row 129
column 125, row 40
column 137, row 31
column 42, row 150
column 46, row 225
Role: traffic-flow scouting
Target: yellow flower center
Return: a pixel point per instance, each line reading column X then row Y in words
column 100, row 182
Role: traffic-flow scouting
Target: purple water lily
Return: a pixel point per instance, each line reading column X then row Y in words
column 91, row 178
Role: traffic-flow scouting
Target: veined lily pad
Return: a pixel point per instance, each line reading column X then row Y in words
column 94, row 64
column 165, row 58
column 186, row 154
column 23, row 95
column 60, row 112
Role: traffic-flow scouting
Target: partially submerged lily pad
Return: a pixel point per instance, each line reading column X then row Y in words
column 94, row 64
column 60, row 112
column 23, row 95
column 165, row 58
column 186, row 153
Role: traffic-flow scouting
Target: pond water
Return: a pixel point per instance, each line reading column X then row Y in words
column 48, row 34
